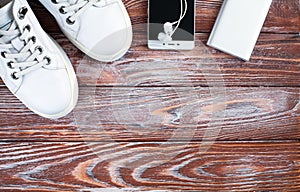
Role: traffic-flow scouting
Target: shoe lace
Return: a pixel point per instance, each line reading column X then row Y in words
column 25, row 58
column 78, row 8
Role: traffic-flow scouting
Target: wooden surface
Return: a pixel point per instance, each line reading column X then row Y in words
column 240, row 166
column 166, row 120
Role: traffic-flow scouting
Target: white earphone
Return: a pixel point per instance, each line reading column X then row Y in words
column 166, row 36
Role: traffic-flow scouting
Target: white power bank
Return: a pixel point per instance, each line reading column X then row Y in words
column 238, row 26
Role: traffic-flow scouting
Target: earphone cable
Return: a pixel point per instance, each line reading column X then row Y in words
column 181, row 16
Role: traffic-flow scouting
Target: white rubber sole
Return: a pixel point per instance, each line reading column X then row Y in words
column 107, row 58
column 74, row 88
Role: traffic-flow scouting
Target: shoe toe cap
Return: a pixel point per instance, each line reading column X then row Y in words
column 47, row 93
column 111, row 47
column 105, row 33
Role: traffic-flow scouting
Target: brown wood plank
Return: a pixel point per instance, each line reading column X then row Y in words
column 275, row 62
column 234, row 166
column 161, row 114
column 283, row 17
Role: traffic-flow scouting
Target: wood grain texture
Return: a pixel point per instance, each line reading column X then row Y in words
column 283, row 17
column 161, row 114
column 275, row 62
column 238, row 166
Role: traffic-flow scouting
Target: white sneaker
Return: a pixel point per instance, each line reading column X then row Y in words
column 32, row 65
column 100, row 28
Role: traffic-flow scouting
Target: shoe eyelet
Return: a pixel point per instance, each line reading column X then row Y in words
column 3, row 54
column 68, row 20
column 48, row 60
column 54, row 1
column 61, row 10
column 22, row 12
column 27, row 27
column 39, row 49
column 9, row 64
column 33, row 39
column 13, row 75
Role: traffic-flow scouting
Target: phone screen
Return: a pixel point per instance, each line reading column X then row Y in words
column 162, row 11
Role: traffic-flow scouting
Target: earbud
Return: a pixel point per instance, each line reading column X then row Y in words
column 163, row 37
column 168, row 27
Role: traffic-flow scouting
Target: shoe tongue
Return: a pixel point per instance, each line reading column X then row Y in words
column 18, row 44
column 6, row 16
column 74, row 1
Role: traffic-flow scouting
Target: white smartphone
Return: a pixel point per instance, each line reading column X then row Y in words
column 171, row 24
